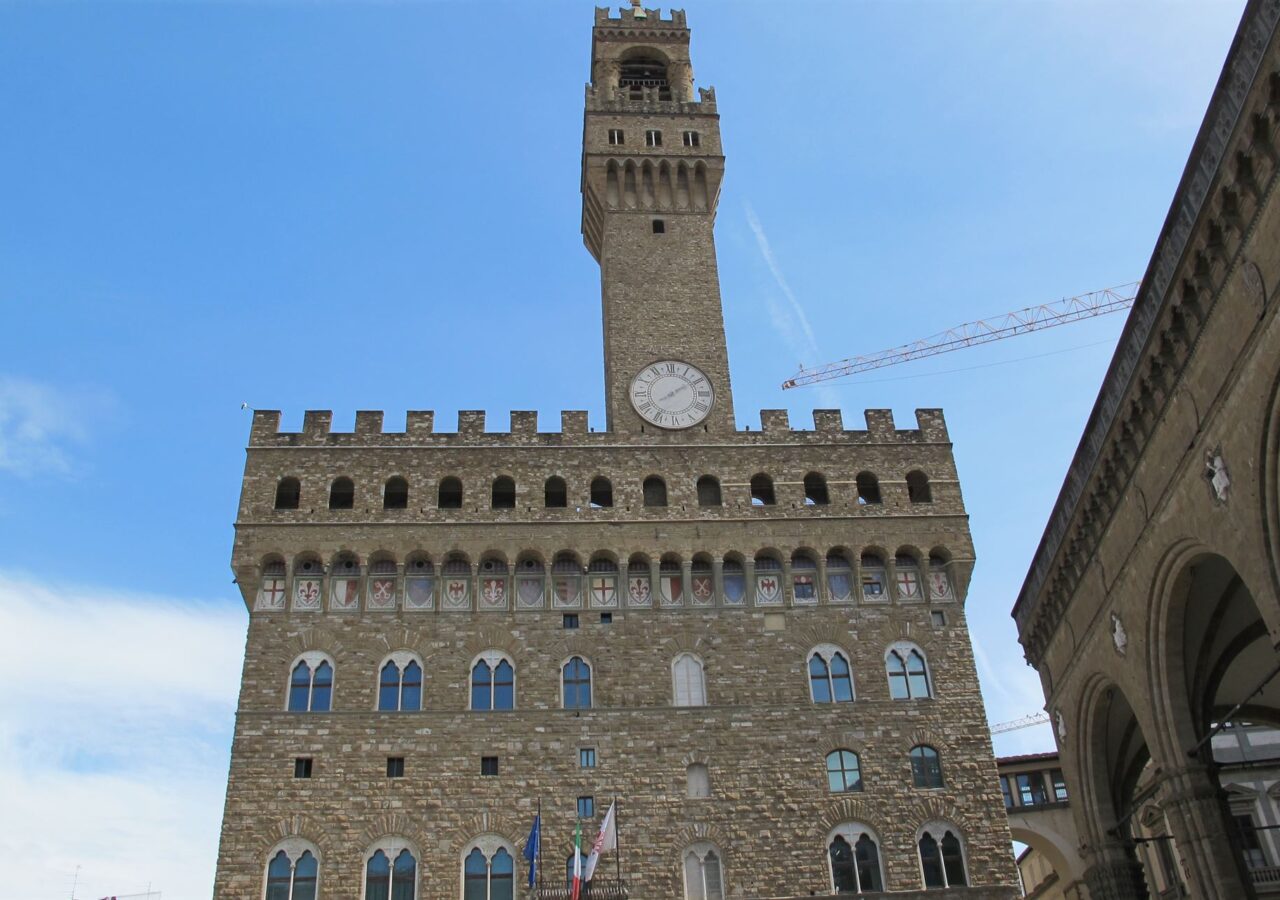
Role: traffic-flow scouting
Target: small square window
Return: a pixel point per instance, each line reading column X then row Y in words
column 691, row 139
column 939, row 618
column 606, row 618
column 659, row 226
column 570, row 620
column 489, row 765
column 395, row 766
column 302, row 767
column 616, row 136
column 587, row 758
column 586, row 807
column 653, row 138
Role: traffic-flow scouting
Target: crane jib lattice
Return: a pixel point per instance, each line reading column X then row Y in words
column 982, row 331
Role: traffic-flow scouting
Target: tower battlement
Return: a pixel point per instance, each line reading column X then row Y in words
column 632, row 16
column 775, row 427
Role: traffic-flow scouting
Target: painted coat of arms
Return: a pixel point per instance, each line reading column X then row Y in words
column 768, row 590
column 638, row 591
column 382, row 593
column 344, row 593
column 529, row 592
column 306, row 593
column 271, row 594
column 908, row 585
column 704, row 589
column 493, row 593
column 457, row 594
column 419, row 591
column 604, row 592
column 670, row 589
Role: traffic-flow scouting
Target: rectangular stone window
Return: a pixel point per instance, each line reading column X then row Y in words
column 653, row 138
column 586, row 807
column 606, row 618
column 587, row 758
column 1059, row 785
column 616, row 137
column 302, row 767
column 691, row 139
column 489, row 766
column 1004, row 789
column 570, row 620
column 395, row 766
column 659, row 226
column 939, row 618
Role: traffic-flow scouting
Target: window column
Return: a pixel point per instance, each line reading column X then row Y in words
column 821, row 593
column 655, row 580
column 749, row 569
column 787, row 586
column 686, row 579
column 717, row 579
column 891, row 576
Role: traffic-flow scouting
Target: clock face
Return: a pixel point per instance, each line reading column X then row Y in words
column 672, row 394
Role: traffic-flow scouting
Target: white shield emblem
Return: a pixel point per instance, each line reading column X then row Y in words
column 604, row 592
column 529, row 592
column 703, row 589
column 768, row 590
column 940, row 585
column 566, row 592
column 670, row 588
column 417, row 591
column 908, row 585
column 344, row 593
column 456, row 593
column 638, row 590
column 493, row 593
column 271, row 595
column 306, row 593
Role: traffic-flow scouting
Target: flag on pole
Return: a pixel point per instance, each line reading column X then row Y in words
column 606, row 840
column 531, row 847
column 577, row 862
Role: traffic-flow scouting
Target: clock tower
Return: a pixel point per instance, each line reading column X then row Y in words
column 651, row 170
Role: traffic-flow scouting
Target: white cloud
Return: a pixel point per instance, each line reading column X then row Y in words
column 791, row 322
column 115, row 731
column 38, row 421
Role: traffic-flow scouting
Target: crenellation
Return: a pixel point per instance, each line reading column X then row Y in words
column 932, row 425
column 774, row 420
column 880, row 423
column 470, row 422
column 524, row 422
column 368, row 422
column 316, row 423
column 573, row 421
column 636, row 15
column 266, row 425
column 828, row 420
column 419, row 423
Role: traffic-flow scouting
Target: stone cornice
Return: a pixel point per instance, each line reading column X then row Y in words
column 1231, row 166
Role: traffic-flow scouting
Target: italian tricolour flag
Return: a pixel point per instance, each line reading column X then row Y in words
column 577, row 861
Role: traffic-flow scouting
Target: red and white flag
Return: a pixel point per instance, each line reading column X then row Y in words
column 606, row 840
column 577, row 862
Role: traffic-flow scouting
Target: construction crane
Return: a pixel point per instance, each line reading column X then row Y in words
column 983, row 331
column 1039, row 718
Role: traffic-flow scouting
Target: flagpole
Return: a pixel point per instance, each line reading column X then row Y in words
column 617, row 843
column 539, row 886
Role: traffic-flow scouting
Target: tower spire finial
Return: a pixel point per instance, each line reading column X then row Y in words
column 637, row 10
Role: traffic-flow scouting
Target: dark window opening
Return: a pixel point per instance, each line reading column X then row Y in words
column 587, row 758
column 868, row 488
column 939, row 618
column 815, row 490
column 395, row 766
column 395, row 495
column 450, row 496
column 692, row 139
column 918, row 490
column 709, row 491
column 503, row 495
column 606, row 618
column 302, row 767
column 288, row 493
column 489, row 766
column 616, row 137
column 762, row 491
column 570, row 620
column 659, row 226
column 601, row 493
column 342, row 494
column 644, row 72
column 653, row 138
column 1059, row 785
column 555, row 495
column 655, row 491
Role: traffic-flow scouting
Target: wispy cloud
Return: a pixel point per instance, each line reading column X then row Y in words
column 114, row 738
column 790, row 321
column 38, row 422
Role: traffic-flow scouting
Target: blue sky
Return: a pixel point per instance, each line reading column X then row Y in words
column 374, row 205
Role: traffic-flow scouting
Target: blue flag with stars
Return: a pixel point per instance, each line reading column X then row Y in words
column 531, row 848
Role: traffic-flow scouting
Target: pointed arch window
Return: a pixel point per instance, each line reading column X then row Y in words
column 391, row 878
column 400, row 686
column 844, row 771
column 493, row 683
column 942, row 858
column 830, row 679
column 342, row 493
column 311, row 684
column 689, row 682
column 908, row 673
column 855, row 861
column 292, row 878
column 489, row 877
column 709, row 491
column 926, row 767
column 576, row 684
column 703, row 876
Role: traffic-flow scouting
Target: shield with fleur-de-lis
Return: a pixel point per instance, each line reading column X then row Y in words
column 382, row 593
column 529, row 592
column 457, row 593
column 493, row 593
column 306, row 593
column 638, row 590
column 271, row 594
column 344, row 594
column 768, row 590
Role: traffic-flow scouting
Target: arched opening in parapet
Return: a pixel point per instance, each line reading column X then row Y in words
column 655, row 491
column 643, row 75
column 288, row 492
column 503, row 493
column 555, row 494
column 601, row 493
column 450, row 496
column 395, row 493
column 815, row 490
column 342, row 493
column 709, row 491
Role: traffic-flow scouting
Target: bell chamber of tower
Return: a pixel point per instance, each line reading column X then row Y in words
column 651, row 169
